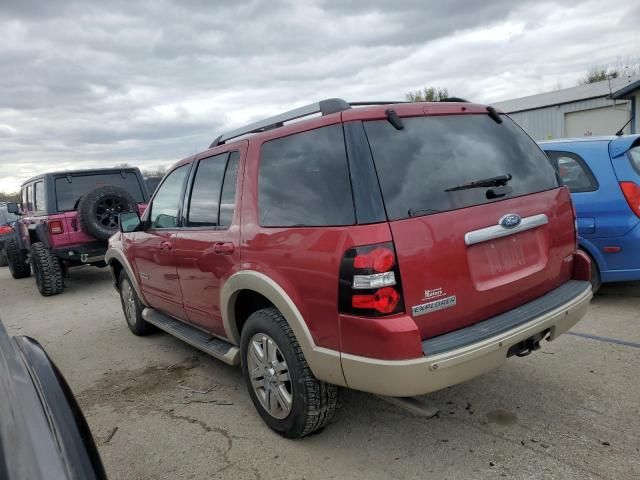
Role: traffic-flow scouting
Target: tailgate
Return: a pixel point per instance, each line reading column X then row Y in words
column 450, row 283
column 479, row 221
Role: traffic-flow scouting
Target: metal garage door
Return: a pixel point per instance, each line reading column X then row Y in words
column 597, row 121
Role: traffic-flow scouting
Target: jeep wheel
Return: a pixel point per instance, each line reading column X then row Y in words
column 47, row 269
column 18, row 265
column 132, row 308
column 282, row 387
column 3, row 259
column 99, row 209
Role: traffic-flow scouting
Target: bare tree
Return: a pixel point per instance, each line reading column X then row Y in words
column 428, row 94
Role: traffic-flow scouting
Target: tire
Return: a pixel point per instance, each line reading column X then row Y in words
column 312, row 402
column 3, row 259
column 596, row 281
column 18, row 265
column 98, row 210
column 47, row 270
column 132, row 308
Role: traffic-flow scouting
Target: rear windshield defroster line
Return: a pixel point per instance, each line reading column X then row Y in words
column 416, row 164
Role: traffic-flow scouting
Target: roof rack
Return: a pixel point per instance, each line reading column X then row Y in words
column 324, row 107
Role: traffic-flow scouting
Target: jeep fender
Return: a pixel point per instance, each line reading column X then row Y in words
column 324, row 363
column 42, row 233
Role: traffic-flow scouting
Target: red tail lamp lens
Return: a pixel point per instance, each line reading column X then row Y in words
column 380, row 259
column 4, row 229
column 384, row 300
column 632, row 193
column 55, row 227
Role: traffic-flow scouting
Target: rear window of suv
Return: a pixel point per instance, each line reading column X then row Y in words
column 69, row 189
column 417, row 164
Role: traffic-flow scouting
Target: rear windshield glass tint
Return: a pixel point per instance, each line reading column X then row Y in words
column 417, row 164
column 304, row 180
column 68, row 193
column 634, row 155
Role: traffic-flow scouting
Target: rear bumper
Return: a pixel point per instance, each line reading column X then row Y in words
column 82, row 254
column 405, row 378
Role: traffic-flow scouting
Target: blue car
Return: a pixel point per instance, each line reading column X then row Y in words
column 603, row 174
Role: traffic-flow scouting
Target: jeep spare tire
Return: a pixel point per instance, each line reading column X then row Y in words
column 99, row 209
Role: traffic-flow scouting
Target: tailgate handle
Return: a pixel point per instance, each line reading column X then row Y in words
column 498, row 231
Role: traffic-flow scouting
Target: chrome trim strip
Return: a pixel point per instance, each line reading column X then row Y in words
column 498, row 231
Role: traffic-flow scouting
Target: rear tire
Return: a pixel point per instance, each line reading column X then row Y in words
column 3, row 259
column 99, row 209
column 47, row 270
column 596, row 281
column 281, row 376
column 17, row 260
column 132, row 308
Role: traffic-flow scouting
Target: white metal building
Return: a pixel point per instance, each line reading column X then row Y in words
column 600, row 108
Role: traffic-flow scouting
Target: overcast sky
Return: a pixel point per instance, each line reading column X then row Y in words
column 96, row 83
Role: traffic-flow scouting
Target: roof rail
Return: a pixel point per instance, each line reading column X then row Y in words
column 325, row 107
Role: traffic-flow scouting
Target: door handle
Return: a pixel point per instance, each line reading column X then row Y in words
column 166, row 246
column 223, row 248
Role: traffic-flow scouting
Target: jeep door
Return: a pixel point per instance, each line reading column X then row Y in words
column 207, row 247
column 154, row 247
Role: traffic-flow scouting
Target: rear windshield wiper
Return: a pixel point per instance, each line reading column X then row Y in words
column 498, row 181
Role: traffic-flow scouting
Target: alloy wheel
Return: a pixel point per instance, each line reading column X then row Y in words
column 269, row 375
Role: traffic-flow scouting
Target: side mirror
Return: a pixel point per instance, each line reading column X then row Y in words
column 12, row 207
column 129, row 222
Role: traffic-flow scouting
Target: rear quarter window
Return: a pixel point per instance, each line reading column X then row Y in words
column 417, row 164
column 574, row 171
column 304, row 180
column 634, row 156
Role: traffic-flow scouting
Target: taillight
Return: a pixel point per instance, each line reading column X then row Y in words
column 370, row 281
column 56, row 227
column 5, row 229
column 631, row 192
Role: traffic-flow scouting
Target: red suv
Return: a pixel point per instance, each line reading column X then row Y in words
column 395, row 249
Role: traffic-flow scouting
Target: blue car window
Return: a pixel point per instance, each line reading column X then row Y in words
column 574, row 172
column 634, row 156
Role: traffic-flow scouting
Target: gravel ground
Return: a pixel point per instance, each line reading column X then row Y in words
column 159, row 409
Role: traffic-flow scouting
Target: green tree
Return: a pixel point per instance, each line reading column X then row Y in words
column 428, row 94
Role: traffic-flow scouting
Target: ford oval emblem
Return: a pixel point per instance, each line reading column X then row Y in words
column 510, row 220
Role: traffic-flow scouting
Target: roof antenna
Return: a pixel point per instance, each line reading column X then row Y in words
column 620, row 132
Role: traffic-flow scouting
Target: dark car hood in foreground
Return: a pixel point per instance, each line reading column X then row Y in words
column 43, row 434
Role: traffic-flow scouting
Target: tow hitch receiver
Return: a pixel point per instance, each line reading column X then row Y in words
column 525, row 347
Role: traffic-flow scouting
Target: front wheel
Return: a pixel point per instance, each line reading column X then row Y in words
column 132, row 308
column 282, row 387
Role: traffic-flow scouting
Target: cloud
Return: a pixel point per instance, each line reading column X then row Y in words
column 88, row 83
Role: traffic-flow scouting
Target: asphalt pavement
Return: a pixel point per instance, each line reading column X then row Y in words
column 159, row 409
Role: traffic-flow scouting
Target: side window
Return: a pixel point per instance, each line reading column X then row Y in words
column 29, row 198
column 24, row 199
column 213, row 195
column 304, row 180
column 166, row 204
column 228, row 197
column 574, row 172
column 204, row 203
column 634, row 156
column 39, row 194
